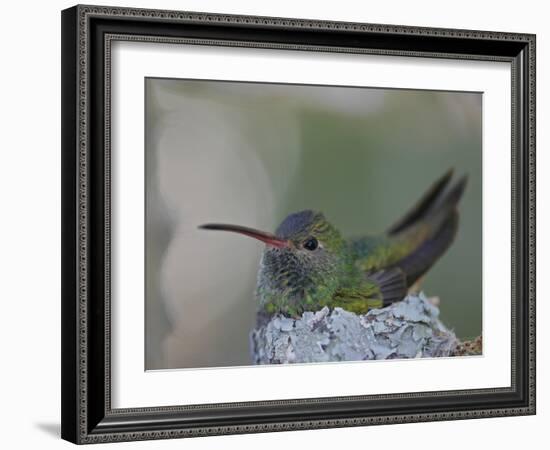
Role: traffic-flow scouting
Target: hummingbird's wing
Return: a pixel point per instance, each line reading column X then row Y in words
column 358, row 298
column 392, row 284
column 376, row 290
column 417, row 241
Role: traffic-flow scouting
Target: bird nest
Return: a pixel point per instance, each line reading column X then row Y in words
column 410, row 328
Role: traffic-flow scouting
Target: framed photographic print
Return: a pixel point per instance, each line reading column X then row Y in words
column 262, row 216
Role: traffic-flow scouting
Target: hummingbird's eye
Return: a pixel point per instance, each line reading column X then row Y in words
column 311, row 244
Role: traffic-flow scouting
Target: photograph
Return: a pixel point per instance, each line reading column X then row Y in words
column 297, row 223
column 279, row 225
column 275, row 222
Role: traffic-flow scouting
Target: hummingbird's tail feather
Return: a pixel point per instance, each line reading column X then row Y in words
column 426, row 254
column 434, row 230
column 392, row 284
column 423, row 206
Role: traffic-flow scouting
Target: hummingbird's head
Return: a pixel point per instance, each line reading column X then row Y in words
column 305, row 255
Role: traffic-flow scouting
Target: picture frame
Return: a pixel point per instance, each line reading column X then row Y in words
column 88, row 415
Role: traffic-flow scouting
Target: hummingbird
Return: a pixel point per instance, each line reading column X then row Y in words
column 307, row 264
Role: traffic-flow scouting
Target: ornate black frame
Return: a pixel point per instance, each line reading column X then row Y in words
column 87, row 31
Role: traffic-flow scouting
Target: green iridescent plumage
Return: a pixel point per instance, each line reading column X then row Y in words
column 307, row 264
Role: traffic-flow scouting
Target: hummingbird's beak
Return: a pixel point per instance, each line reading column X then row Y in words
column 267, row 238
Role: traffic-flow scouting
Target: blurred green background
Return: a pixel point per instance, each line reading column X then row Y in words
column 251, row 153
